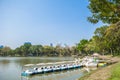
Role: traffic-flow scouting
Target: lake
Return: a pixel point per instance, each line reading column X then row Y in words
column 11, row 68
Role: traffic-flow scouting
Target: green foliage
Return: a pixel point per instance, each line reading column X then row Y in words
column 115, row 73
column 106, row 40
column 82, row 45
column 112, row 37
column 38, row 50
column 108, row 11
column 5, row 51
column 98, row 39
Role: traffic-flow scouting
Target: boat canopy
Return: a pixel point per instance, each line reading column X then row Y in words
column 29, row 64
column 42, row 64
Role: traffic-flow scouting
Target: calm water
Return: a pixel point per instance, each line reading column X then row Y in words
column 11, row 68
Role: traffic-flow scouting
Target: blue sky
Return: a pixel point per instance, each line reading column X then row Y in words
column 44, row 22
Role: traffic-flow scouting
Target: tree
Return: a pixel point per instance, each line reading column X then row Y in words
column 18, row 52
column 112, row 36
column 59, row 50
column 67, row 51
column 48, row 50
column 74, row 50
column 35, row 50
column 106, row 39
column 100, row 39
column 82, row 45
column 25, row 48
column 107, row 11
column 1, row 47
column 97, row 43
column 6, row 50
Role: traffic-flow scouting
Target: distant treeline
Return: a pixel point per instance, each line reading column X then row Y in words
column 27, row 49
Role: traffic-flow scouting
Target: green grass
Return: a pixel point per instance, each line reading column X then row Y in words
column 115, row 72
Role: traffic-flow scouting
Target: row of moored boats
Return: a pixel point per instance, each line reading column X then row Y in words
column 65, row 65
column 53, row 68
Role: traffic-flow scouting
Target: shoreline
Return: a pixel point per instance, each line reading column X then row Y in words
column 102, row 73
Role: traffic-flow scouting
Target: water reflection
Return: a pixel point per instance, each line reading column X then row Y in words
column 4, row 63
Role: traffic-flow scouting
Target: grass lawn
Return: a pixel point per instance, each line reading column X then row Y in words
column 115, row 72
